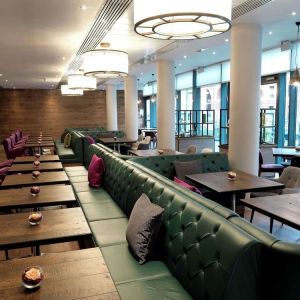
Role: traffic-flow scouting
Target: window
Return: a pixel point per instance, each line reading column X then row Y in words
column 211, row 100
column 268, row 111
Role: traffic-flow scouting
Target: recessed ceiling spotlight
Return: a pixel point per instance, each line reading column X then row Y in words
column 270, row 32
column 184, row 56
column 226, row 40
column 1, row 75
column 6, row 80
column 294, row 13
column 142, row 73
column 83, row 7
column 179, row 65
column 214, row 53
column 63, row 58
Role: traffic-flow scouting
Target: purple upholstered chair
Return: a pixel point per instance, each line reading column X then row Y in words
column 90, row 140
column 11, row 152
column 6, row 163
column 3, row 172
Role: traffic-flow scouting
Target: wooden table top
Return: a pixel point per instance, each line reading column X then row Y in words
column 44, row 166
column 42, row 144
column 153, row 152
column 285, row 152
column 49, row 195
column 284, row 208
column 58, row 225
column 36, row 140
column 45, row 178
column 80, row 274
column 244, row 182
column 31, row 159
column 117, row 141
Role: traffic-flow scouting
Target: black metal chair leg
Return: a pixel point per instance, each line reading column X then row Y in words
column 6, row 254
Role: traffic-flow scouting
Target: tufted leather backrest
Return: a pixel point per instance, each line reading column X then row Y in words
column 290, row 177
column 77, row 144
column 211, row 162
column 211, row 257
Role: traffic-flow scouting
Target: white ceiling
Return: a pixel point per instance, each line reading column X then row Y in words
column 36, row 35
column 38, row 38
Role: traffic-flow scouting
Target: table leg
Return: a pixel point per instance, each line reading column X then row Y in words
column 271, row 225
column 252, row 215
column 234, row 202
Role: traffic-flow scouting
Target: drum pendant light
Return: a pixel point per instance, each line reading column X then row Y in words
column 79, row 81
column 105, row 63
column 181, row 19
column 295, row 80
column 65, row 91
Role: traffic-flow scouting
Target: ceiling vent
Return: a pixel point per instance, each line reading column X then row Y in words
column 247, row 6
column 108, row 14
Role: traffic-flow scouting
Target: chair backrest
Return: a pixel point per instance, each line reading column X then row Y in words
column 290, row 177
column 207, row 150
column 191, row 149
column 146, row 140
column 295, row 161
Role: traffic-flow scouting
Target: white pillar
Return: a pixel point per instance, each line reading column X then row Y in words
column 245, row 97
column 131, row 108
column 165, row 105
column 111, row 108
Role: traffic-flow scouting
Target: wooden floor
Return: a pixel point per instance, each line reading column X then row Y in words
column 284, row 232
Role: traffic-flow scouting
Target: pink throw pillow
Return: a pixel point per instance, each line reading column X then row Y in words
column 95, row 172
column 186, row 185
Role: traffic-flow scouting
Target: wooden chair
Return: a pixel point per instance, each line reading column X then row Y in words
column 295, row 161
column 269, row 168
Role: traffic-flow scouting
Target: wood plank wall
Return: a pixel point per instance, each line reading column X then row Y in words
column 47, row 110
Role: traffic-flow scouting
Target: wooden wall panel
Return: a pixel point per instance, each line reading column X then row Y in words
column 48, row 111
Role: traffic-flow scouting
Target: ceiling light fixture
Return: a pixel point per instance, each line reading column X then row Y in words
column 81, row 82
column 295, row 80
column 65, row 91
column 105, row 63
column 181, row 20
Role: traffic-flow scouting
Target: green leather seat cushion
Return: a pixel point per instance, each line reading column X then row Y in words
column 81, row 186
column 119, row 255
column 109, row 232
column 167, row 287
column 94, row 196
column 78, row 173
column 65, row 152
column 74, row 169
column 78, row 178
column 102, row 211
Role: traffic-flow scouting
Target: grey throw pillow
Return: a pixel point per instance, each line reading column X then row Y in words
column 143, row 226
column 183, row 168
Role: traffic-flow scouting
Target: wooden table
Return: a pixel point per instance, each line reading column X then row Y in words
column 49, row 195
column 27, row 179
column 31, row 159
column 153, row 152
column 28, row 168
column 283, row 208
column 244, row 182
column 36, row 144
column 116, row 141
column 80, row 274
column 57, row 226
column 287, row 153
